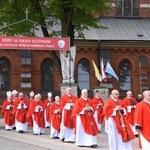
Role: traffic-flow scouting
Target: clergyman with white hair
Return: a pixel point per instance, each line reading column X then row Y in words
column 20, row 110
column 56, row 116
column 35, row 115
column 86, row 127
column 119, row 130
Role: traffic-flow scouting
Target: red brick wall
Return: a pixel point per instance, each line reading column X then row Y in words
column 88, row 52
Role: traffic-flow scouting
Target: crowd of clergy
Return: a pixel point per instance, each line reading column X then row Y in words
column 79, row 120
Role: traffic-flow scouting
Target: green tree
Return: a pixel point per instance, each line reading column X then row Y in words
column 72, row 15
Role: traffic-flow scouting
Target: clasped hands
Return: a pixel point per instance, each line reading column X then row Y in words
column 11, row 107
column 40, row 108
column 71, row 105
column 88, row 108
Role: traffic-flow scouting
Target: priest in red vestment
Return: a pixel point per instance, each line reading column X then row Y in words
column 35, row 115
column 120, row 133
column 130, row 105
column 55, row 118
column 142, row 120
column 47, row 104
column 7, row 112
column 86, row 127
column 98, row 105
column 67, row 125
column 20, row 110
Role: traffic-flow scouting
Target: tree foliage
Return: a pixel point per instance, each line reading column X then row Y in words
column 72, row 16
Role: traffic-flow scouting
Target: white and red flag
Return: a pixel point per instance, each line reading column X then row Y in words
column 103, row 71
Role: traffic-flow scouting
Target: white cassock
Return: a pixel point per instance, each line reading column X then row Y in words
column 97, row 122
column 114, row 138
column 66, row 133
column 145, row 144
column 83, row 139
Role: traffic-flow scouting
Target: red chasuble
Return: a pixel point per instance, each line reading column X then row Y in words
column 8, row 115
column 47, row 108
column 129, row 102
column 68, row 121
column 38, row 116
column 120, row 120
column 55, row 117
column 20, row 114
column 87, row 119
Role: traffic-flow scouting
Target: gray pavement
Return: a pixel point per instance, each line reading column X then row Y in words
column 12, row 140
column 7, row 144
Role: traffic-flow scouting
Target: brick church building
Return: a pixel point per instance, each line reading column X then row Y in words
column 125, row 45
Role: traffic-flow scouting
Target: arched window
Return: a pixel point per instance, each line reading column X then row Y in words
column 4, row 74
column 47, row 76
column 124, row 77
column 83, row 74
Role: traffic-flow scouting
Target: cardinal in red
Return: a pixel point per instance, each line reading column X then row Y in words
column 35, row 115
column 98, row 105
column 20, row 110
column 130, row 105
column 86, row 127
column 47, row 104
column 55, row 118
column 67, row 125
column 120, row 133
column 7, row 112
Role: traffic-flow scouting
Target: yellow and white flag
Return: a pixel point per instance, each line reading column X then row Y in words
column 97, row 73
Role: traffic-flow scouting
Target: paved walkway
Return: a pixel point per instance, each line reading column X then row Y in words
column 12, row 140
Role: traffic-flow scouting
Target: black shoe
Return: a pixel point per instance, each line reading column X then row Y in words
column 55, row 137
column 71, row 142
column 21, row 131
column 35, row 134
column 93, row 146
column 8, row 129
column 63, row 139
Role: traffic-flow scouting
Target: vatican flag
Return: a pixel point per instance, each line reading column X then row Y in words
column 97, row 73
